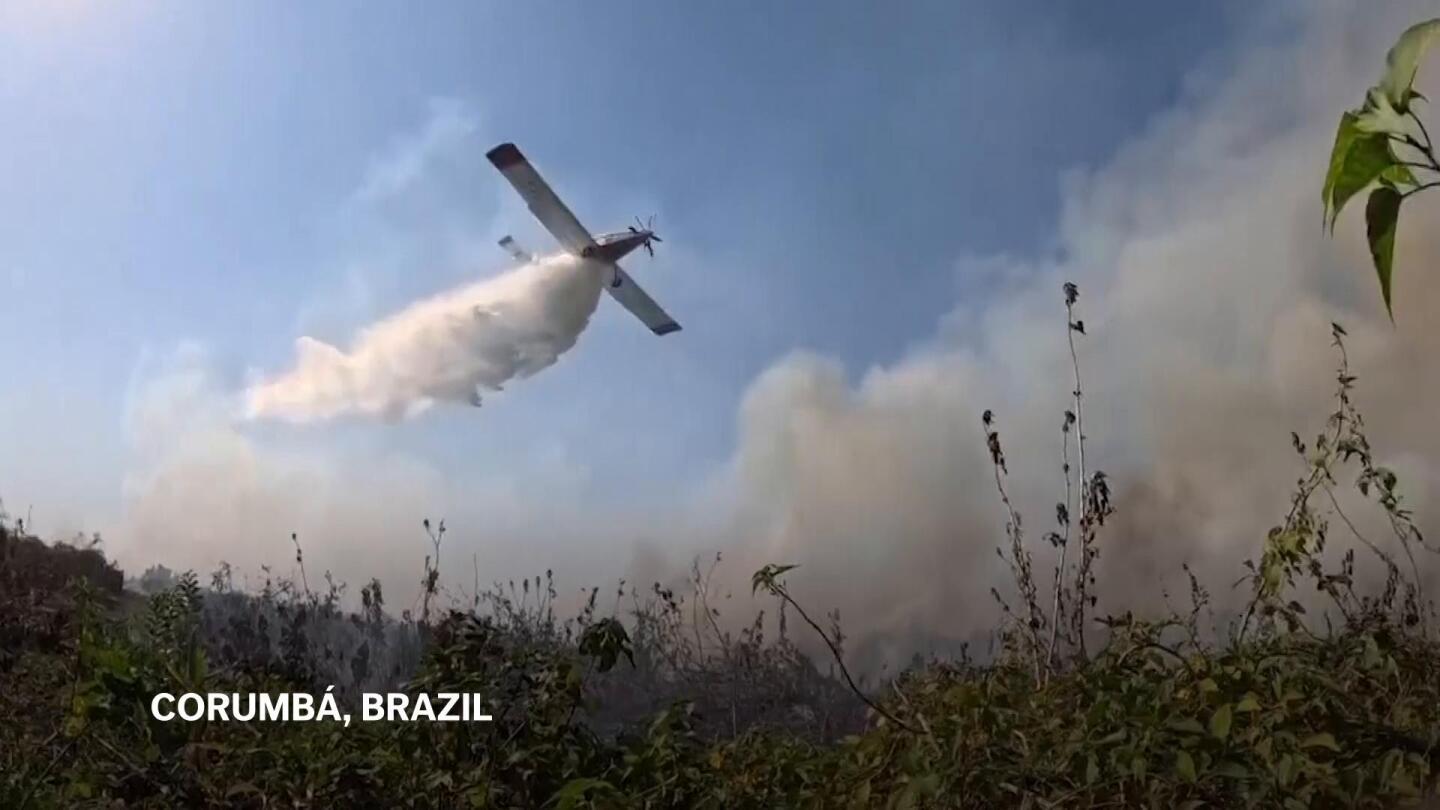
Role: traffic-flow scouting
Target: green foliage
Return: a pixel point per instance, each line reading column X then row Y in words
column 1382, row 213
column 605, row 641
column 1384, row 143
column 1403, row 60
column 1357, row 159
column 768, row 577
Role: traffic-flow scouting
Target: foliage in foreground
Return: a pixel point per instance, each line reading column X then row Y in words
column 1384, row 144
column 1288, row 719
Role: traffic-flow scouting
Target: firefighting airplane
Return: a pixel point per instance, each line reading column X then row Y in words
column 606, row 249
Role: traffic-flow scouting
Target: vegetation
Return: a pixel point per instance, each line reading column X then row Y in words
column 1320, row 694
column 1385, row 144
column 652, row 704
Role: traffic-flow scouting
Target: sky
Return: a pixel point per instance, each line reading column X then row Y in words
column 183, row 175
column 189, row 189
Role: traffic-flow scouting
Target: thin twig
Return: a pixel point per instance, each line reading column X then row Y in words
column 1072, row 294
column 780, row 591
column 1355, row 531
column 1420, row 188
column 1055, row 617
column 1020, row 560
column 1429, row 145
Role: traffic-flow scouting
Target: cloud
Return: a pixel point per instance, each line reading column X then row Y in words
column 449, row 122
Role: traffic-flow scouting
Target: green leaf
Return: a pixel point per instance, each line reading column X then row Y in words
column 1273, row 576
column 765, row 577
column 1388, row 764
column 1356, row 160
column 1322, row 740
column 1220, row 722
column 1380, row 116
column 1381, row 215
column 1398, row 175
column 606, row 640
column 1187, row 726
column 575, row 791
column 1403, row 61
column 1233, row 770
column 1185, row 766
column 1111, row 738
column 1265, row 749
column 1285, row 770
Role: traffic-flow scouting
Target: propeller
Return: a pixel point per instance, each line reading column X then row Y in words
column 648, row 228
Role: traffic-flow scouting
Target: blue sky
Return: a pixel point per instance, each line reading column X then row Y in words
column 179, row 172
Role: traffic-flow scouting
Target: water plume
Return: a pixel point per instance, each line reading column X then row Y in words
column 444, row 349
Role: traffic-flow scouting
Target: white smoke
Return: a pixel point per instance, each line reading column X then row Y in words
column 1207, row 288
column 445, row 349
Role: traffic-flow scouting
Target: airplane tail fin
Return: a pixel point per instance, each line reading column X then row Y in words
column 520, row 254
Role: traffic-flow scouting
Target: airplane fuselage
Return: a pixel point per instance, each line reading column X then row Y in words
column 612, row 247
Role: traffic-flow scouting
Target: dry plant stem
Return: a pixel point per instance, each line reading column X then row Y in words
column 432, row 571
column 696, row 605
column 785, row 597
column 1344, row 518
column 720, row 636
column 1085, row 537
column 1055, row 617
column 300, row 560
column 1024, row 580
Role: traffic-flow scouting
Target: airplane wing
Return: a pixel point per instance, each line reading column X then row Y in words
column 541, row 199
column 640, row 304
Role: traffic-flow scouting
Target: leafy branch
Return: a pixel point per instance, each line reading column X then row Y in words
column 1385, row 144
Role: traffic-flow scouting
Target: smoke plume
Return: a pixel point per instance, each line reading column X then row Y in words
column 446, row 348
column 1207, row 288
